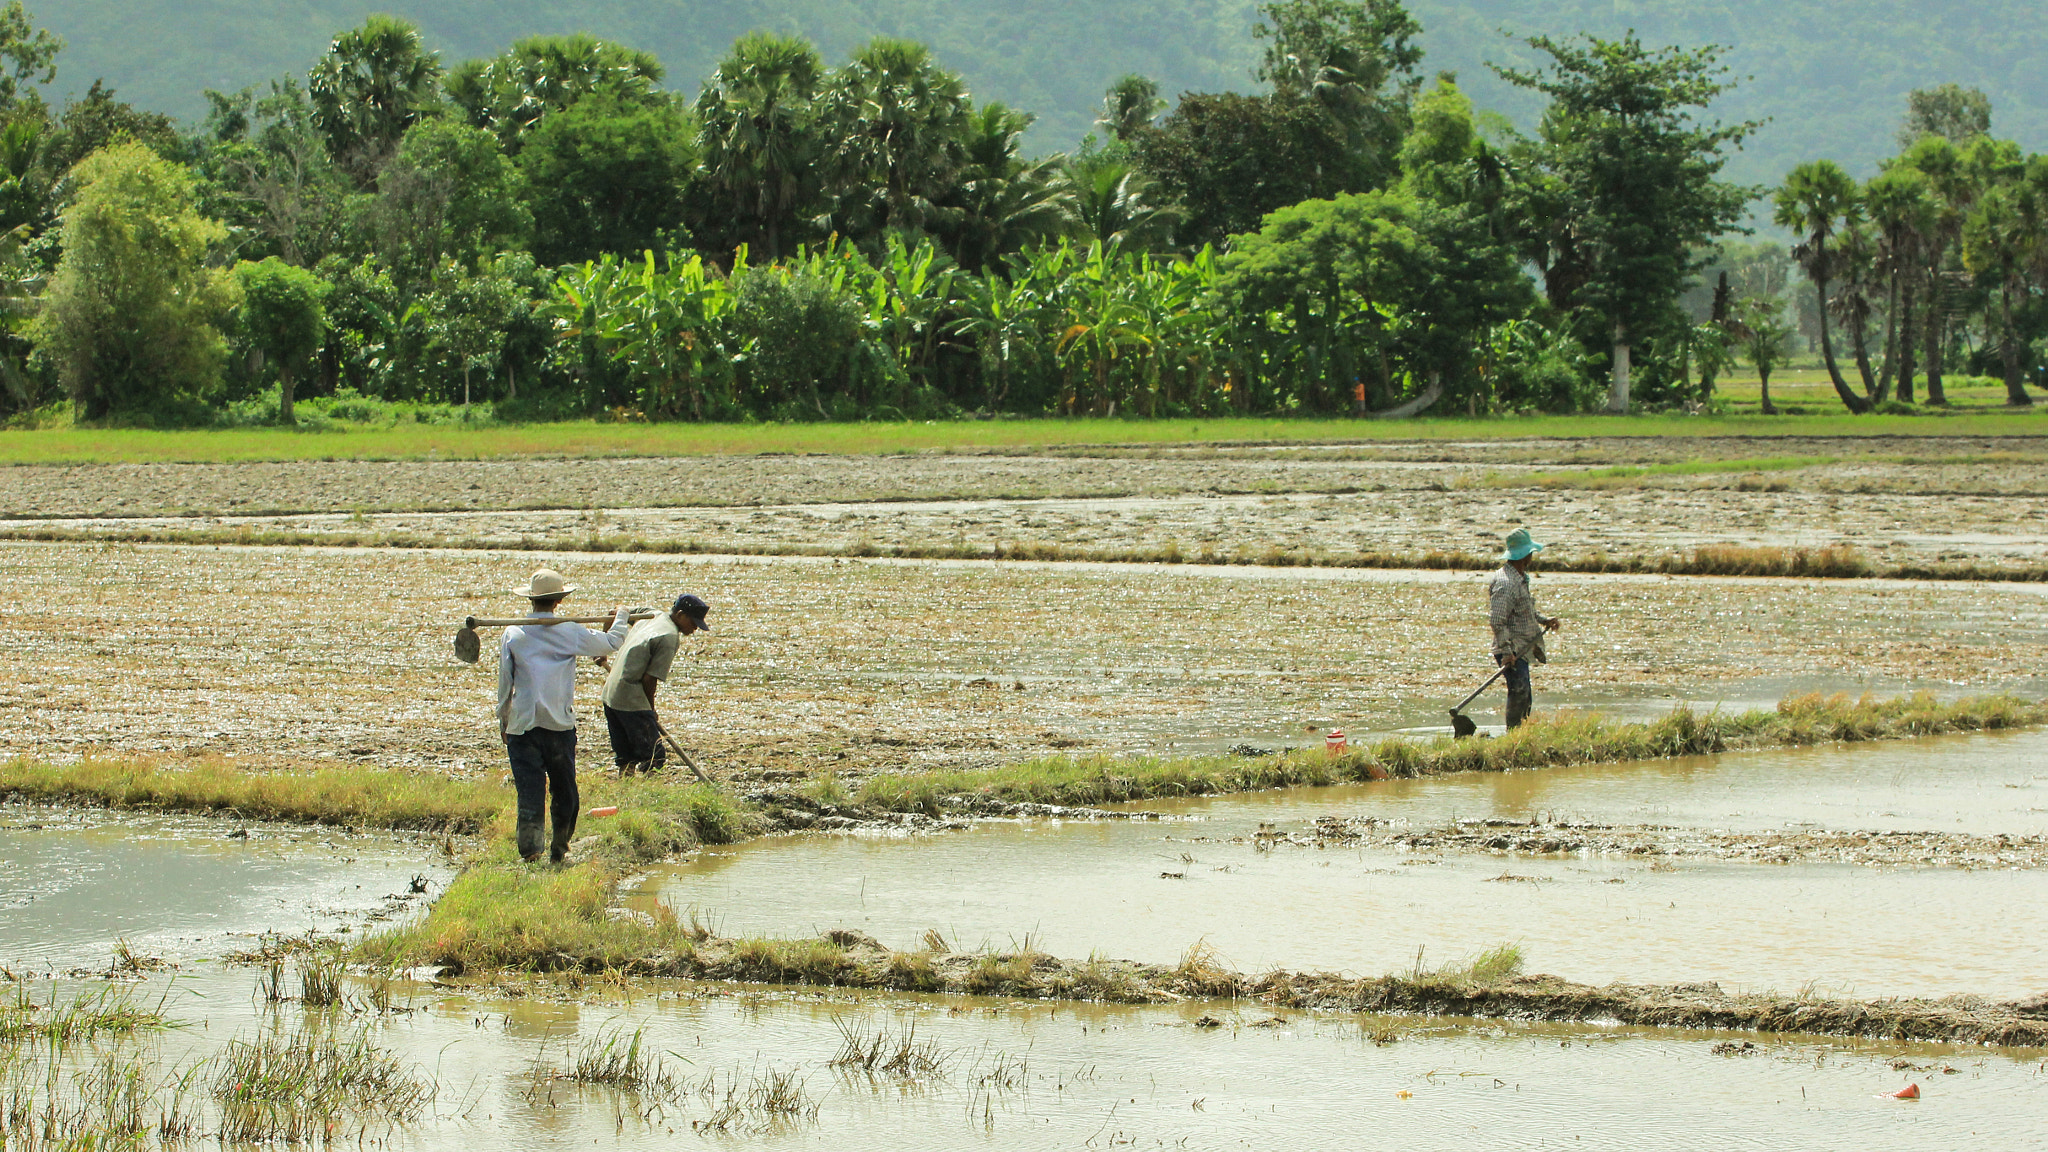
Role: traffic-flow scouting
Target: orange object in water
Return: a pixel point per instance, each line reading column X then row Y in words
column 1334, row 742
column 607, row 810
column 1909, row 1092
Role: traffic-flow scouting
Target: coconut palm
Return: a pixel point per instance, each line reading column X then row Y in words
column 1002, row 203
column 1130, row 106
column 1816, row 201
column 1119, row 207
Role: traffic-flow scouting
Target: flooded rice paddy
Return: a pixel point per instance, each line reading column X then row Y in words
column 498, row 1063
column 1247, row 875
column 1911, row 869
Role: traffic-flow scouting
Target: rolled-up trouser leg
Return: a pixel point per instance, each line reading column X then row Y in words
column 530, row 778
column 1521, row 693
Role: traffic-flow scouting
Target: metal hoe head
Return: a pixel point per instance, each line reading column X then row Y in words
column 467, row 646
column 1462, row 725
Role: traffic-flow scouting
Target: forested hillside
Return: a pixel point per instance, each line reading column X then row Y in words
column 1831, row 74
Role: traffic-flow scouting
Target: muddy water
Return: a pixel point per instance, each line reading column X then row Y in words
column 73, row 883
column 1011, row 1075
column 1147, row 891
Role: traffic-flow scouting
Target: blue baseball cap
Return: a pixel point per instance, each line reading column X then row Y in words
column 694, row 607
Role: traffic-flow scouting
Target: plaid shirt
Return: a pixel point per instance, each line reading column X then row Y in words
column 1517, row 626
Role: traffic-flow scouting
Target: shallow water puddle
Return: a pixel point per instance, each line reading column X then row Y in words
column 72, row 883
column 1148, row 890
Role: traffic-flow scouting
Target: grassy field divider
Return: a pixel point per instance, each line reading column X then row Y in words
column 1552, row 740
column 1837, row 561
column 342, row 797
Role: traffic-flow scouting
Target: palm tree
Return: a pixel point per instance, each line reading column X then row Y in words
column 1117, row 207
column 1902, row 207
column 761, row 137
column 2006, row 238
column 1817, row 199
column 374, row 83
column 1129, row 106
column 898, row 120
column 541, row 74
column 1003, row 203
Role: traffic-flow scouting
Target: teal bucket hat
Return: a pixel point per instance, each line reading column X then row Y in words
column 1520, row 545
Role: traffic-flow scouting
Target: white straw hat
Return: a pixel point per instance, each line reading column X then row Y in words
column 546, row 583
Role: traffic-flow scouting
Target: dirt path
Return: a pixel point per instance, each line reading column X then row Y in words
column 299, row 654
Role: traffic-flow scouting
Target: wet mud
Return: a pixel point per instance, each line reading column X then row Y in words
column 281, row 657
column 1566, row 838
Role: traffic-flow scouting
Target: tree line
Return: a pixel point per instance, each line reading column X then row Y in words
column 554, row 233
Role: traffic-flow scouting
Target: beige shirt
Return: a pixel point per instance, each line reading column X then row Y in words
column 650, row 650
column 1517, row 626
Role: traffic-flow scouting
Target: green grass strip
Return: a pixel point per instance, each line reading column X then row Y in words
column 590, row 439
column 1553, row 741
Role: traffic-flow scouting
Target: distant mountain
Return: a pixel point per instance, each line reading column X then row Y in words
column 1831, row 75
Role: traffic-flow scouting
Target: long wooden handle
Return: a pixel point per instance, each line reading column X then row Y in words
column 491, row 622
column 1502, row 671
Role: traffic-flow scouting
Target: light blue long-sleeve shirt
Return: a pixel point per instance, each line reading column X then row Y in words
column 537, row 671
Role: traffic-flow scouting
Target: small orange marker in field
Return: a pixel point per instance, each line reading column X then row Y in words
column 1909, row 1092
column 607, row 810
column 1333, row 741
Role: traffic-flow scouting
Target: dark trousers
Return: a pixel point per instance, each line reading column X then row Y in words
column 544, row 763
column 1521, row 694
column 636, row 740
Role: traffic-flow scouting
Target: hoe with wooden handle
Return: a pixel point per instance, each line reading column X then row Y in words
column 468, row 648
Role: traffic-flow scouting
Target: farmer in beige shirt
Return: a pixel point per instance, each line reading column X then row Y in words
column 636, row 674
column 1517, row 627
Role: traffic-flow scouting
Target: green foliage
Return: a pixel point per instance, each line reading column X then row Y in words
column 516, row 91
column 27, row 53
column 807, row 333
column 449, row 194
column 1627, row 188
column 606, row 175
column 131, row 317
column 376, row 81
column 282, row 314
column 1229, row 159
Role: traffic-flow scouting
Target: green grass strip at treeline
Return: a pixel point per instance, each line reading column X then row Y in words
column 591, row 439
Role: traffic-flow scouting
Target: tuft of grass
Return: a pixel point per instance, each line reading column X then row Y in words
column 1014, row 973
column 88, row 1016
column 320, row 979
column 615, row 1060
column 303, row 1087
column 774, row 961
column 877, row 1049
column 1201, row 972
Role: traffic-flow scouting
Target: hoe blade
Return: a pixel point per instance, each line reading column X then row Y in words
column 1462, row 725
column 467, row 646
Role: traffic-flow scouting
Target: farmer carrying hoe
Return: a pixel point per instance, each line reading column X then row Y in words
column 536, row 709
column 1517, row 627
column 642, row 665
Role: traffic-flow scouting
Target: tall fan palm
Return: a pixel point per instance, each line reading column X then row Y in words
column 374, row 82
column 898, row 119
column 762, row 140
column 1003, row 203
column 541, row 74
column 1902, row 207
column 1817, row 200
